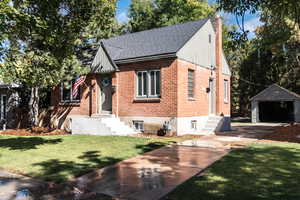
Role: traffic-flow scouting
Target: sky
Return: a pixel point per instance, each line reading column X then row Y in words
column 251, row 21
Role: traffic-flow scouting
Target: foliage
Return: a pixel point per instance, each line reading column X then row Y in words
column 272, row 57
column 279, row 8
column 51, row 40
column 147, row 14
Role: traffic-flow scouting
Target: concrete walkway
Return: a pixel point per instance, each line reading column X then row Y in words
column 154, row 174
column 16, row 187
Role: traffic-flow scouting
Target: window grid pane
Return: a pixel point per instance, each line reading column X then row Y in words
column 145, row 84
column 66, row 93
column 152, row 83
column 148, row 83
column 226, row 90
column 157, row 83
column 140, row 83
column 190, row 83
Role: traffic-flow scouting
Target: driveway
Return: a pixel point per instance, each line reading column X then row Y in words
column 251, row 130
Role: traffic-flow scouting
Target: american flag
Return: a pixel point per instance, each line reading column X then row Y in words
column 79, row 80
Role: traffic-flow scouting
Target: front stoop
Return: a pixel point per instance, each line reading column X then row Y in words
column 211, row 125
column 100, row 125
column 215, row 124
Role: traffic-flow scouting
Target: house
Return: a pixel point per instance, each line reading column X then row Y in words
column 174, row 77
column 9, row 101
column 275, row 104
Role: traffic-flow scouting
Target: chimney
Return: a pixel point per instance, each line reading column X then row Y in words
column 219, row 51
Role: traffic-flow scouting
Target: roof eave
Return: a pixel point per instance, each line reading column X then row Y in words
column 146, row 58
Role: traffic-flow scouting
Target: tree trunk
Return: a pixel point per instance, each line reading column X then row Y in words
column 34, row 107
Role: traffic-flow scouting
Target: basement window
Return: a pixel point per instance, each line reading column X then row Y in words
column 194, row 125
column 139, row 125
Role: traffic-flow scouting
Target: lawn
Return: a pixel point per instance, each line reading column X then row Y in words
column 60, row 158
column 261, row 172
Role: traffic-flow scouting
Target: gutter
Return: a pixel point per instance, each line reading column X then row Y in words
column 146, row 58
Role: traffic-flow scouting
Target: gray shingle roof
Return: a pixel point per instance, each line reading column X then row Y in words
column 276, row 93
column 160, row 41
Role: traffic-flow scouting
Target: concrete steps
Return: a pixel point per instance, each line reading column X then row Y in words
column 100, row 125
column 212, row 125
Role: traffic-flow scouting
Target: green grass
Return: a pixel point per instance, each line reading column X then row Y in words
column 259, row 172
column 60, row 158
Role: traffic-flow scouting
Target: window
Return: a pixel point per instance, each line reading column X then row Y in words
column 148, row 83
column 226, row 91
column 191, row 83
column 209, row 38
column 66, row 93
column 194, row 125
column 3, row 104
column 138, row 125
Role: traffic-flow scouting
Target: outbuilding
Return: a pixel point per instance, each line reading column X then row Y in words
column 275, row 104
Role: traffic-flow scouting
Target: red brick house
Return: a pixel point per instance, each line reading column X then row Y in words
column 175, row 75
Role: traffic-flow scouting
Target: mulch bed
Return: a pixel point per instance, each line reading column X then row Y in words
column 288, row 133
column 38, row 131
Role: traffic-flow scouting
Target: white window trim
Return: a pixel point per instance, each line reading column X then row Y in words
column 148, row 74
column 71, row 96
column 2, row 107
column 226, row 90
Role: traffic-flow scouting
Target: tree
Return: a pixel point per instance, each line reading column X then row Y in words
column 271, row 57
column 278, row 8
column 47, row 39
column 147, row 14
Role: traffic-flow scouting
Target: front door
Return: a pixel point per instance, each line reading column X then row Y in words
column 212, row 95
column 106, row 94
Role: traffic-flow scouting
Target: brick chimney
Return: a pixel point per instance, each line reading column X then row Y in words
column 219, row 51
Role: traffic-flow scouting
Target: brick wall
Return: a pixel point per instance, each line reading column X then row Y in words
column 87, row 106
column 125, row 97
column 199, row 105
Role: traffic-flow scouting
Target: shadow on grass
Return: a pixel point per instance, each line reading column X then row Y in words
column 60, row 171
column 152, row 146
column 26, row 143
column 261, row 172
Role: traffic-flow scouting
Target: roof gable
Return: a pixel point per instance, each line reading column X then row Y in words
column 276, row 93
column 198, row 49
column 159, row 41
column 102, row 62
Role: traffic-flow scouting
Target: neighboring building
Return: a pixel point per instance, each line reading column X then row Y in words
column 275, row 104
column 9, row 100
column 175, row 75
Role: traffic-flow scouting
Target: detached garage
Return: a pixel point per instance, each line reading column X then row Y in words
column 275, row 104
